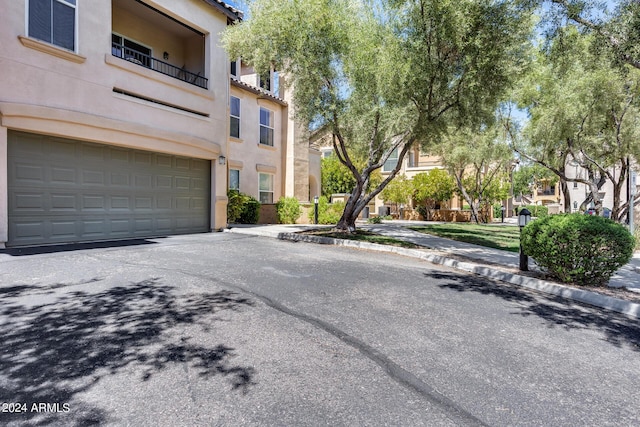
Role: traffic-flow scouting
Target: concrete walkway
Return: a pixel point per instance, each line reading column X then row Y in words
column 494, row 263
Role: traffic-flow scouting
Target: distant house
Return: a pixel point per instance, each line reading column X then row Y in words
column 116, row 121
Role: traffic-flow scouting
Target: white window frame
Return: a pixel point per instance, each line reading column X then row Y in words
column 269, row 127
column 265, row 191
column 235, row 171
column 231, row 116
column 74, row 6
column 391, row 162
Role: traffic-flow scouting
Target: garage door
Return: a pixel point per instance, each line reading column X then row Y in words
column 64, row 191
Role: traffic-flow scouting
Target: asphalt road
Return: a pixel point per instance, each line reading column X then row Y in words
column 223, row 329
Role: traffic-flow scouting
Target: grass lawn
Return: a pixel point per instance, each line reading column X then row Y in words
column 493, row 236
column 363, row 236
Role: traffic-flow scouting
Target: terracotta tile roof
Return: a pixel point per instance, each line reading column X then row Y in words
column 258, row 91
column 229, row 11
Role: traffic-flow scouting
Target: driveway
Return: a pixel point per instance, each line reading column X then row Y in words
column 223, row 329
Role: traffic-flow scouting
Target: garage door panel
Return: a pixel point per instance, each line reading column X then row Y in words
column 28, row 202
column 93, row 152
column 66, row 191
column 64, row 229
column 120, row 180
column 64, row 176
column 64, row 202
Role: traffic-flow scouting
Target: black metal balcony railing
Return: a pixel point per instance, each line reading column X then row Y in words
column 148, row 61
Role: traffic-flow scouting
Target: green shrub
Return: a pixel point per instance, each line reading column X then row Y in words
column 577, row 248
column 538, row 211
column 288, row 209
column 250, row 211
column 328, row 213
column 234, row 205
column 423, row 211
column 497, row 211
column 375, row 220
column 242, row 208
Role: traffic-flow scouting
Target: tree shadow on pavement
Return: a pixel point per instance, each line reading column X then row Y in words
column 556, row 311
column 54, row 350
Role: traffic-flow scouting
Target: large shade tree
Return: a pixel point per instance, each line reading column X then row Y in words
column 385, row 76
column 478, row 158
column 617, row 30
column 583, row 112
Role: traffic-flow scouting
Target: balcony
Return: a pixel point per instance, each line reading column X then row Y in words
column 142, row 35
column 145, row 60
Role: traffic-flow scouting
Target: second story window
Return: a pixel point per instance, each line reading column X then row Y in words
column 234, row 117
column 53, row 21
column 265, row 83
column 391, row 162
column 234, row 68
column 266, row 127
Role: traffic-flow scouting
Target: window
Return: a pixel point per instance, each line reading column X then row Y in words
column 266, row 188
column 234, row 129
column 53, row 21
column 412, row 155
column 265, row 83
column 575, row 185
column 130, row 50
column 391, row 162
column 326, row 152
column 266, row 127
column 234, row 179
column 234, row 68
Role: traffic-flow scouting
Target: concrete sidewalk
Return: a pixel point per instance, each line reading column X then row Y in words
column 488, row 262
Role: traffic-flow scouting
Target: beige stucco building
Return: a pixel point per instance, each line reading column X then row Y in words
column 115, row 122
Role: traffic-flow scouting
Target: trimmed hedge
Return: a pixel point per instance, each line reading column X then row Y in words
column 288, row 209
column 576, row 248
column 538, row 211
column 242, row 208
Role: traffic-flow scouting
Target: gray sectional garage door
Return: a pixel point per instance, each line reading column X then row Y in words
column 62, row 191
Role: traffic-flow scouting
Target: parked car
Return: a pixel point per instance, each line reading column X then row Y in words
column 606, row 212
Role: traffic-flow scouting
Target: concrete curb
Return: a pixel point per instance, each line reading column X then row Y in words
column 614, row 304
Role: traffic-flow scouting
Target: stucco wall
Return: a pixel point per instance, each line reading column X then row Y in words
column 45, row 89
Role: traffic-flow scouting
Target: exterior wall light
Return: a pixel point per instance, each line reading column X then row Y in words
column 524, row 216
column 222, row 160
column 165, row 55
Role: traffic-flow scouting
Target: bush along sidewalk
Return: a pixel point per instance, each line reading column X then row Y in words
column 580, row 249
column 288, row 209
column 242, row 208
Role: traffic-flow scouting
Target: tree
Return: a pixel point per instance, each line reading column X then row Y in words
column 385, row 76
column 336, row 178
column 619, row 30
column 583, row 111
column 477, row 159
column 527, row 175
column 432, row 188
column 397, row 191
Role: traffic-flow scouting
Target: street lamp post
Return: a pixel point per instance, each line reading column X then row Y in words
column 524, row 216
column 315, row 210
